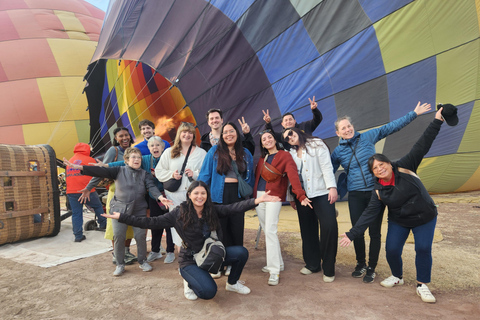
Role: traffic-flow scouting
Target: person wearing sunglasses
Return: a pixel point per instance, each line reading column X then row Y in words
column 288, row 121
column 215, row 122
column 352, row 153
column 312, row 158
column 274, row 170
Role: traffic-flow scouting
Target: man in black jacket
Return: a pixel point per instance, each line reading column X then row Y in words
column 288, row 121
column 215, row 122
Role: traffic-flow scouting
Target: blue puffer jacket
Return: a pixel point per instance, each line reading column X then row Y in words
column 359, row 177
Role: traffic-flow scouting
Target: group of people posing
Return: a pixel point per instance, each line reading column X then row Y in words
column 218, row 181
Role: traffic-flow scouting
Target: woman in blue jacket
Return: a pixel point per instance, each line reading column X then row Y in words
column 218, row 173
column 410, row 208
column 353, row 152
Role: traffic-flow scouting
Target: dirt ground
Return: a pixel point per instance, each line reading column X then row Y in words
column 86, row 289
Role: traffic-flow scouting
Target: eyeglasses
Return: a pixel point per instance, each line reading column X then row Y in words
column 135, row 157
column 289, row 135
column 265, row 131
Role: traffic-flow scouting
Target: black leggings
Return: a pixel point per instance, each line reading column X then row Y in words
column 155, row 211
column 357, row 202
column 233, row 225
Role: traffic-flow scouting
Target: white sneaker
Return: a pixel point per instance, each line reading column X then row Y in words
column 425, row 294
column 162, row 250
column 273, row 279
column 145, row 267
column 229, row 269
column 328, row 279
column 238, row 287
column 152, row 256
column 305, row 271
column 216, row 275
column 266, row 270
column 169, row 258
column 119, row 270
column 391, row 282
column 189, row 294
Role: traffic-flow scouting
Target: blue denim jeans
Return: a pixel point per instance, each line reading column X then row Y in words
column 423, row 235
column 77, row 212
column 202, row 283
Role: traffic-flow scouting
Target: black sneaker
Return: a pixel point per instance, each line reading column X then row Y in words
column 369, row 276
column 360, row 270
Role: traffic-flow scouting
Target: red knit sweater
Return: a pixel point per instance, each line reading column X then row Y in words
column 284, row 163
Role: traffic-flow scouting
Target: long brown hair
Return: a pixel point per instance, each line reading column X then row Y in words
column 188, row 213
column 223, row 154
column 177, row 146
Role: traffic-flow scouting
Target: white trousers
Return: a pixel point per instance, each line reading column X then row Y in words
column 268, row 214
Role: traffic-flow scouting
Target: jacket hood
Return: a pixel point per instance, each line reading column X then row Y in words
column 82, row 148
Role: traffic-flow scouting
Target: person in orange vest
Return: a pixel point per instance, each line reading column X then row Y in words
column 76, row 182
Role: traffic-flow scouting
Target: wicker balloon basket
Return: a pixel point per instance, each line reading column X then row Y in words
column 29, row 195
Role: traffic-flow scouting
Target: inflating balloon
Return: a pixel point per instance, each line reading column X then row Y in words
column 45, row 48
column 371, row 60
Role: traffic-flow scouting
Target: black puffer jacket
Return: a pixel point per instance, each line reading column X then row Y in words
column 408, row 202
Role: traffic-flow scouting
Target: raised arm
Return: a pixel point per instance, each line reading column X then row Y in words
column 413, row 159
column 397, row 125
column 317, row 116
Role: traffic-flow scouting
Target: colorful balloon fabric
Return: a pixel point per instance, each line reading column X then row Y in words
column 45, row 48
column 371, row 60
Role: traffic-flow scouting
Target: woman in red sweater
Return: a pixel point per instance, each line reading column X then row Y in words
column 274, row 170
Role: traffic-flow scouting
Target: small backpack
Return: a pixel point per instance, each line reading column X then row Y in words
column 212, row 255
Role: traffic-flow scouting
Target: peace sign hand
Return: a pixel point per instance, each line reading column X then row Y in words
column 266, row 116
column 313, row 104
column 244, row 125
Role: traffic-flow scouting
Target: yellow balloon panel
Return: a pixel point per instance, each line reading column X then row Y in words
column 404, row 37
column 457, row 74
column 72, row 56
column 423, row 29
column 61, row 136
column 177, row 97
column 473, row 183
column 470, row 141
column 63, row 99
column 446, row 173
column 72, row 25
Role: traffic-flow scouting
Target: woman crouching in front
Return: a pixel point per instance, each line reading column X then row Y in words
column 194, row 220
